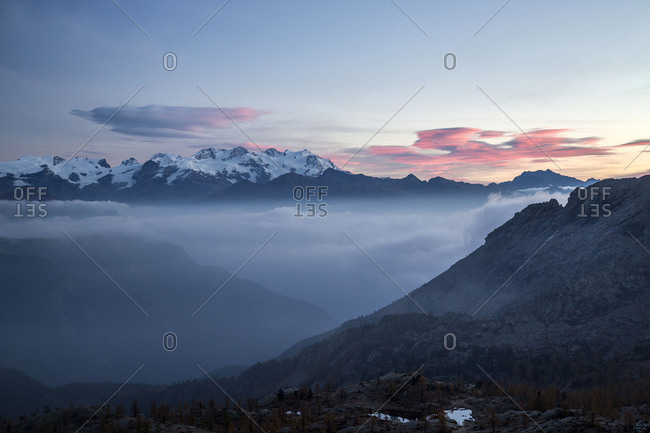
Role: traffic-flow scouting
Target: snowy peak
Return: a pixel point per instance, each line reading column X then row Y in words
column 219, row 165
column 130, row 162
column 237, row 152
column 80, row 171
column 240, row 173
column 205, row 154
column 165, row 159
column 240, row 164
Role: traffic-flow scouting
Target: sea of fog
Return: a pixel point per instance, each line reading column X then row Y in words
column 333, row 261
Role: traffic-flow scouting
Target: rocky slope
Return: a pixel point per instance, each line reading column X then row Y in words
column 557, row 294
column 566, row 336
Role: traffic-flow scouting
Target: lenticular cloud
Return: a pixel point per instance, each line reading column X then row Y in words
column 168, row 121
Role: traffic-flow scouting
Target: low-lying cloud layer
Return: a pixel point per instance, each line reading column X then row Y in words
column 169, row 121
column 309, row 258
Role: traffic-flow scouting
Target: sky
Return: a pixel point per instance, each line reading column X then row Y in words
column 471, row 90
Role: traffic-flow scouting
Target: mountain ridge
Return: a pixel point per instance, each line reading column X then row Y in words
column 583, row 284
column 80, row 306
column 226, row 174
column 557, row 323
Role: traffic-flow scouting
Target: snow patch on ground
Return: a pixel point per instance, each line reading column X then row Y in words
column 460, row 415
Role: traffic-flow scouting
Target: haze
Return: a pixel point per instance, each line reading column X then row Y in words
column 310, row 258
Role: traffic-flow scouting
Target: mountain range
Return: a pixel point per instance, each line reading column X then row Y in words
column 235, row 174
column 57, row 304
column 556, row 295
column 556, row 298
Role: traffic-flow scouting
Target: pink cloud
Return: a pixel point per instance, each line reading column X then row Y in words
column 465, row 153
column 463, row 146
column 444, row 138
column 491, row 134
column 643, row 142
column 395, row 151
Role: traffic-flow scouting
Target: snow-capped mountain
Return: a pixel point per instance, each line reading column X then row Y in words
column 240, row 164
column 239, row 174
column 232, row 165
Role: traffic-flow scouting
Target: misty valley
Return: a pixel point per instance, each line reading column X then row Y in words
column 364, row 216
column 510, row 308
